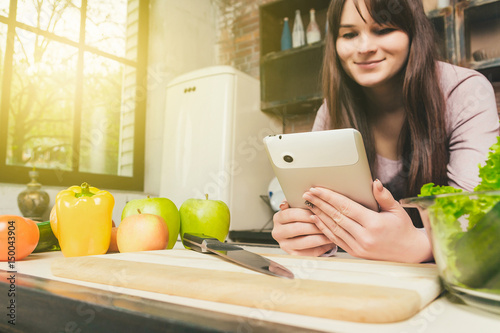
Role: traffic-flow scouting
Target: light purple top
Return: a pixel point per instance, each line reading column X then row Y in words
column 472, row 127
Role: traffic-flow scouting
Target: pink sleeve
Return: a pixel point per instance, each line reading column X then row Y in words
column 472, row 127
column 322, row 120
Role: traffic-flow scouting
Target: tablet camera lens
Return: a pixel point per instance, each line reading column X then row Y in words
column 288, row 158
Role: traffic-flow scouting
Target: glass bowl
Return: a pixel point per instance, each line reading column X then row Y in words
column 465, row 234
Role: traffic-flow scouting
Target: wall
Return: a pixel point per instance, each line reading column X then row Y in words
column 238, row 39
column 182, row 39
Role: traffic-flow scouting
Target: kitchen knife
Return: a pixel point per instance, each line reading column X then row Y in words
column 206, row 244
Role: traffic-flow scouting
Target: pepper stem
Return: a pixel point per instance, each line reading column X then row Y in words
column 139, row 211
column 206, row 196
column 85, row 189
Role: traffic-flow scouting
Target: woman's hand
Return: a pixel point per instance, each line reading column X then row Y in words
column 297, row 233
column 385, row 235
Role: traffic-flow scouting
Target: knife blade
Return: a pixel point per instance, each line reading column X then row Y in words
column 206, row 244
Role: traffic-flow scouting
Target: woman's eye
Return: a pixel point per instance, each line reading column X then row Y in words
column 349, row 35
column 384, row 31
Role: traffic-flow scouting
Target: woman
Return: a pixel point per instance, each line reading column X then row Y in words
column 422, row 121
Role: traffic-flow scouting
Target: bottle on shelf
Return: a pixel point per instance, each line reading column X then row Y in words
column 443, row 3
column 286, row 36
column 298, row 34
column 313, row 32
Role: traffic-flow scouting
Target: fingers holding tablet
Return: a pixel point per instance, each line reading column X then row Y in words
column 297, row 233
column 333, row 232
column 336, row 206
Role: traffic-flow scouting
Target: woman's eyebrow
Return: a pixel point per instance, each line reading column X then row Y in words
column 346, row 25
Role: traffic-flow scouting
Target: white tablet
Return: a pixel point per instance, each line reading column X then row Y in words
column 335, row 159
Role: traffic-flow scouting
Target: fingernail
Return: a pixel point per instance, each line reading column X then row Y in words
column 282, row 205
column 378, row 185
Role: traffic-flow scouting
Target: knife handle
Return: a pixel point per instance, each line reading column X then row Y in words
column 201, row 243
column 193, row 242
column 216, row 245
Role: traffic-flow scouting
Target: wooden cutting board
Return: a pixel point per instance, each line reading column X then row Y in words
column 350, row 290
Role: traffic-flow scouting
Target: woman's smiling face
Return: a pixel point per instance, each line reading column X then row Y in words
column 370, row 53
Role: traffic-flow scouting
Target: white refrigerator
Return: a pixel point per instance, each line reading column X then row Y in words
column 212, row 143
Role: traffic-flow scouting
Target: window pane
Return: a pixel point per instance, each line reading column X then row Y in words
column 41, row 105
column 112, row 26
column 3, row 42
column 4, row 8
column 107, row 117
column 61, row 17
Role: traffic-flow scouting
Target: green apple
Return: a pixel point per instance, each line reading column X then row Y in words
column 157, row 206
column 204, row 216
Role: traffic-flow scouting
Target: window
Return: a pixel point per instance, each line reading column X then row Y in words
column 72, row 84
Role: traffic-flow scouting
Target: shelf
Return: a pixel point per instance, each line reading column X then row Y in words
column 291, row 79
column 443, row 22
column 291, row 52
column 273, row 13
column 293, row 106
column 485, row 64
column 478, row 24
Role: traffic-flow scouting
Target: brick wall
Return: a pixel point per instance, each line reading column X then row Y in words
column 238, row 35
column 238, row 46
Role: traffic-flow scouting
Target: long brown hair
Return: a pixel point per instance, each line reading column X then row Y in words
column 423, row 143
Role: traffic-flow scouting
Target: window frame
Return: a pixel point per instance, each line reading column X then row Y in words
column 55, row 177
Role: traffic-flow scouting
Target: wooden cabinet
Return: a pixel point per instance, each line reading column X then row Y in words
column 478, row 30
column 291, row 79
column 469, row 32
column 443, row 20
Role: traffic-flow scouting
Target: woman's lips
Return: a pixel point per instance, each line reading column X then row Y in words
column 368, row 64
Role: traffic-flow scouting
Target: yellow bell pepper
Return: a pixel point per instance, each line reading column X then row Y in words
column 84, row 219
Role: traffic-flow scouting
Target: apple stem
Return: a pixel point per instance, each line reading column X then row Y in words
column 206, row 196
column 138, row 210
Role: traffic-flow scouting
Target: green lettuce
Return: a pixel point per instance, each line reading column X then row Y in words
column 490, row 172
column 471, row 256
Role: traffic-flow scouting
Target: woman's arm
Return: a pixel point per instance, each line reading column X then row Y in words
column 473, row 126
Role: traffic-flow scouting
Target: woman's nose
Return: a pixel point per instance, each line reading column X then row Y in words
column 366, row 44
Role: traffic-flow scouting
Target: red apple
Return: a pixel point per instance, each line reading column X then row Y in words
column 142, row 232
column 113, row 246
column 157, row 206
